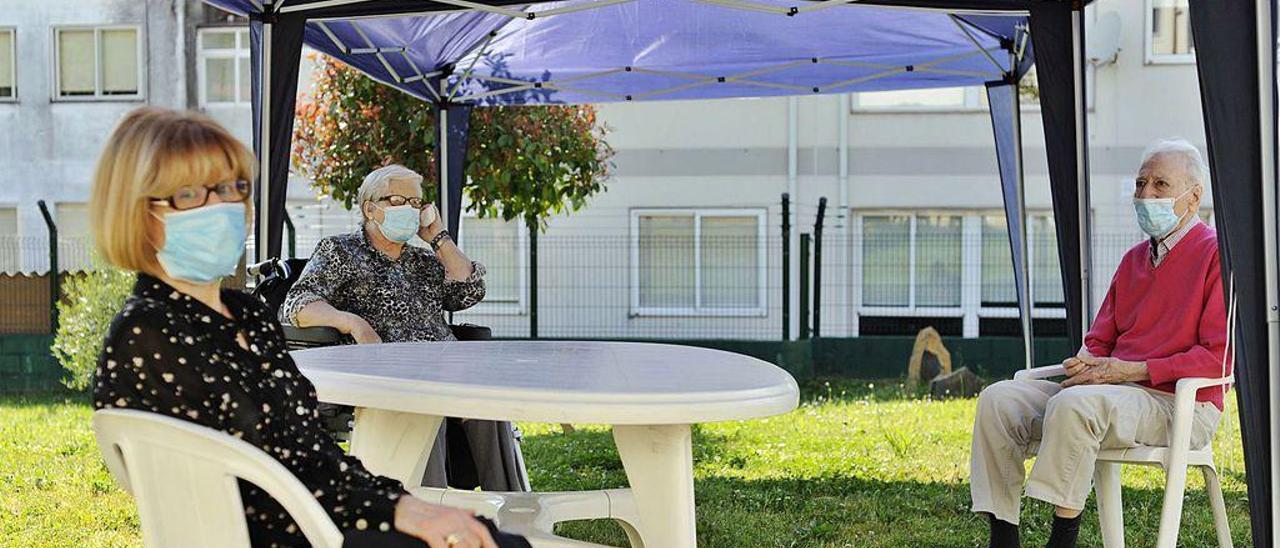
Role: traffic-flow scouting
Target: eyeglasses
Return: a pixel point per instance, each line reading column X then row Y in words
column 191, row 197
column 397, row 200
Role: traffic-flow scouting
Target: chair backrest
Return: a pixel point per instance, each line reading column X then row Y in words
column 183, row 477
column 276, row 281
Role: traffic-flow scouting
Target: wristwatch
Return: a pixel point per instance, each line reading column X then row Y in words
column 438, row 239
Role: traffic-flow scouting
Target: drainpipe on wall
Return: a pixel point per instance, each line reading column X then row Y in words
column 180, row 45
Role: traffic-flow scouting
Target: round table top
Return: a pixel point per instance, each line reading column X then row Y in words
column 552, row 381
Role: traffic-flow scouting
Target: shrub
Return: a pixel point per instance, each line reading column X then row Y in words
column 527, row 162
column 89, row 303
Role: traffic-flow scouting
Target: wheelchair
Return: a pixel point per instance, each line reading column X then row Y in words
column 275, row 277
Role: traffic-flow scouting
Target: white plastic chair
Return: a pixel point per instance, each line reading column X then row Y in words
column 1174, row 459
column 183, row 477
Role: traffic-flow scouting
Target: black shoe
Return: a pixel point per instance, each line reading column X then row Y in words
column 1003, row 534
column 1064, row 532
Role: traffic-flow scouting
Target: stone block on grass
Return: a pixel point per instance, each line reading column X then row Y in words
column 961, row 383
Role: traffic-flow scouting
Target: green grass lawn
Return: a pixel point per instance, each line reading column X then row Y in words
column 858, row 464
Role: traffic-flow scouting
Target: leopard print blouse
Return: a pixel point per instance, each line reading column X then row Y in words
column 403, row 300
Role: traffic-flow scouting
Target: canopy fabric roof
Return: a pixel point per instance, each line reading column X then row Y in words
column 592, row 51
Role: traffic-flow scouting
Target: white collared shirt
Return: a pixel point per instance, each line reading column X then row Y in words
column 1161, row 248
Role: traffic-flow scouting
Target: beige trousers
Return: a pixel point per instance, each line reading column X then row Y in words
column 1071, row 424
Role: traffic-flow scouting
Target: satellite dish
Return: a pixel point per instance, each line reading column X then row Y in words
column 1104, row 40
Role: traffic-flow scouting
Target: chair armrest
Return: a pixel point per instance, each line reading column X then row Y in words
column 1183, row 409
column 312, row 336
column 1186, row 388
column 1041, row 372
column 1196, row 383
column 471, row 332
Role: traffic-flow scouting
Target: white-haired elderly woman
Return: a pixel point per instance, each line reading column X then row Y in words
column 369, row 284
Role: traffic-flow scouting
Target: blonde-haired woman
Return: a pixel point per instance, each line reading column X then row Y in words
column 170, row 201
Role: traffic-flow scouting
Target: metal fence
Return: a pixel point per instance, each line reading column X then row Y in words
column 712, row 275
column 725, row 287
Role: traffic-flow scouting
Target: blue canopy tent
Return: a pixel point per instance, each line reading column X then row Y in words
column 463, row 54
column 555, row 53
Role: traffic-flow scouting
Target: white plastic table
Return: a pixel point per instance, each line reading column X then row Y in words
column 649, row 393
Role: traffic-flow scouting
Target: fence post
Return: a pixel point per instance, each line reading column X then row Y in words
column 817, row 267
column 533, row 278
column 55, row 286
column 786, row 266
column 292, row 234
column 806, row 243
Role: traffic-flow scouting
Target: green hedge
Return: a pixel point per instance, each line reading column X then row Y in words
column 27, row 365
column 881, row 357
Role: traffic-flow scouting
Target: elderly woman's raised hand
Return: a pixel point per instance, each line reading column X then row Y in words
column 359, row 329
column 429, row 222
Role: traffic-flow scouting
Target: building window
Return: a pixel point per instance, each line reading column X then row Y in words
column 8, row 220
column 74, row 237
column 1046, row 269
column 8, row 65
column 98, row 63
column 1169, row 32
column 223, row 69
column 698, row 262
column 999, row 288
column 501, row 246
column 912, row 100
column 951, row 271
column 911, row 260
column 11, row 245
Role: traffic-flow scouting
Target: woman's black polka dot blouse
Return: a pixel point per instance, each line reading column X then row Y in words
column 169, row 353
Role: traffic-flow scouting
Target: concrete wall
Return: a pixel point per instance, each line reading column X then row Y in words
column 48, row 147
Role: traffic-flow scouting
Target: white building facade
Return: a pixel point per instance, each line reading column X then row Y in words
column 686, row 242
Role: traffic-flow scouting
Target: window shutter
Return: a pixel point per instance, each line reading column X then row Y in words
column 76, row 63
column 120, row 62
column 6, row 63
column 666, row 261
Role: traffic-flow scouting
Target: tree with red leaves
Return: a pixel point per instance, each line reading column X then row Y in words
column 526, row 162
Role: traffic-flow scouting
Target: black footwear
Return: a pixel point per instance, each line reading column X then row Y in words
column 1003, row 534
column 1064, row 532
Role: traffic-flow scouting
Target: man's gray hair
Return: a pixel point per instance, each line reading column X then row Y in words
column 1190, row 155
column 377, row 182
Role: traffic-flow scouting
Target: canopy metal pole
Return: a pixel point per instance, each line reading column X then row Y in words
column 1267, row 140
column 442, row 152
column 264, row 170
column 1027, row 305
column 1082, row 168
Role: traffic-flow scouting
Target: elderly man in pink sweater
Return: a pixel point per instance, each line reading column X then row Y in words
column 1163, row 319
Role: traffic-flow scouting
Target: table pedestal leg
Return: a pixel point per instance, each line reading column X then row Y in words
column 394, row 444
column 659, row 465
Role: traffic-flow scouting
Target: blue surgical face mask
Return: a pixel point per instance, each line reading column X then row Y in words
column 203, row 244
column 399, row 223
column 1156, row 216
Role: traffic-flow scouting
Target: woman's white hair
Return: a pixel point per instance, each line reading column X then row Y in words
column 1192, row 159
column 377, row 182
